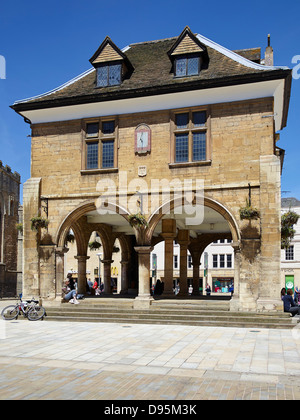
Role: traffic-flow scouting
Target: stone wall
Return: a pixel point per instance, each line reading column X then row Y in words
column 241, row 148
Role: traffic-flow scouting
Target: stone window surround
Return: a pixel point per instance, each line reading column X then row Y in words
column 173, row 131
column 100, row 139
column 190, row 130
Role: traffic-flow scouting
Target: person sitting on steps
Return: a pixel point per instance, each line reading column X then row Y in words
column 68, row 294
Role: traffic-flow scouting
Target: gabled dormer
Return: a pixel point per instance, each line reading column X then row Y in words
column 111, row 64
column 188, row 55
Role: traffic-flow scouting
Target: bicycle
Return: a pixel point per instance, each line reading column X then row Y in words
column 29, row 309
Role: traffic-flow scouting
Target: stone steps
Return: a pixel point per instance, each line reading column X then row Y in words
column 166, row 312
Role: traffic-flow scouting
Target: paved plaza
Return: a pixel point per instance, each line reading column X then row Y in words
column 111, row 361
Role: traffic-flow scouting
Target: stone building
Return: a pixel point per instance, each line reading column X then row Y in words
column 179, row 132
column 9, row 243
column 290, row 257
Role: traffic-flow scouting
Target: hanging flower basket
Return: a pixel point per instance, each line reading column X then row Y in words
column 248, row 212
column 38, row 222
column 70, row 238
column 137, row 220
column 116, row 249
column 19, row 227
column 94, row 245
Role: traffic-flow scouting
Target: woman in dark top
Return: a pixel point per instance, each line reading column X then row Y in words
column 289, row 304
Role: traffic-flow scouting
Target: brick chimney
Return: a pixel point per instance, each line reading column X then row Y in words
column 269, row 60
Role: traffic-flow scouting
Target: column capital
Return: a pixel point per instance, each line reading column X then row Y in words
column 81, row 258
column 61, row 250
column 143, row 249
column 107, row 261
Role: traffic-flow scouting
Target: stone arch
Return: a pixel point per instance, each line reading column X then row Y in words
column 155, row 218
column 72, row 220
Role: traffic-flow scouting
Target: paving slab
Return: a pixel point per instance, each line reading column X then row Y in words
column 111, row 361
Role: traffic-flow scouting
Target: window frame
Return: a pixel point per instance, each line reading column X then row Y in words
column 100, row 138
column 190, row 130
column 108, row 65
column 290, row 253
column 187, row 57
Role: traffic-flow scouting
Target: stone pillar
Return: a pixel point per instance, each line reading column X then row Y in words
column 270, row 224
column 235, row 300
column 196, row 251
column 107, row 276
column 81, row 282
column 124, row 277
column 183, row 239
column 31, row 263
column 169, row 234
column 60, row 272
column 144, row 298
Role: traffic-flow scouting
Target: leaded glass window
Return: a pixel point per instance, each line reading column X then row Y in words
column 182, row 120
column 190, row 136
column 187, row 66
column 108, row 127
column 108, row 154
column 109, row 75
column 199, row 118
column 92, row 130
column 192, row 66
column 199, row 146
column 114, row 74
column 92, row 155
column 182, row 148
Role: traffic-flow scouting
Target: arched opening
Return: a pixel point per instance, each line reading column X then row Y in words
column 184, row 262
column 102, row 248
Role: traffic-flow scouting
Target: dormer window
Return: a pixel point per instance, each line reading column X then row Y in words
column 109, row 74
column 188, row 55
column 187, row 65
column 111, row 64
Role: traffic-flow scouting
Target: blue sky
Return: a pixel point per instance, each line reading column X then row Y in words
column 48, row 43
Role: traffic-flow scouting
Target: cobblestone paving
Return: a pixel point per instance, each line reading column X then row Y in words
column 109, row 361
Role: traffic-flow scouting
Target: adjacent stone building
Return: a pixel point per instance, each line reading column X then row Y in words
column 290, row 257
column 9, row 217
column 159, row 141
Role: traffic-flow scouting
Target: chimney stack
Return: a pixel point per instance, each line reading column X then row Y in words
column 269, row 59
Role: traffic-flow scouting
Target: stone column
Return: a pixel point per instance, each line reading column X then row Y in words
column 60, row 272
column 169, row 234
column 124, row 277
column 144, row 298
column 107, row 276
column 235, row 300
column 270, row 224
column 31, row 259
column 196, row 251
column 81, row 282
column 183, row 239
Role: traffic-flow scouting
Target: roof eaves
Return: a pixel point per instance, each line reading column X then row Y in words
column 50, row 92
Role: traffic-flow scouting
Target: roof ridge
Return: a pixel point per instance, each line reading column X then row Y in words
column 155, row 41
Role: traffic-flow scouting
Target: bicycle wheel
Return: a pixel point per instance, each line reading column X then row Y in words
column 36, row 313
column 10, row 312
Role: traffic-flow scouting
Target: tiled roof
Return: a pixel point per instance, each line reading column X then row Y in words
column 152, row 74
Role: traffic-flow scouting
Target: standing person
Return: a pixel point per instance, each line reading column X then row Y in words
column 95, row 287
column 208, row 290
column 68, row 294
column 289, row 304
column 296, row 295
